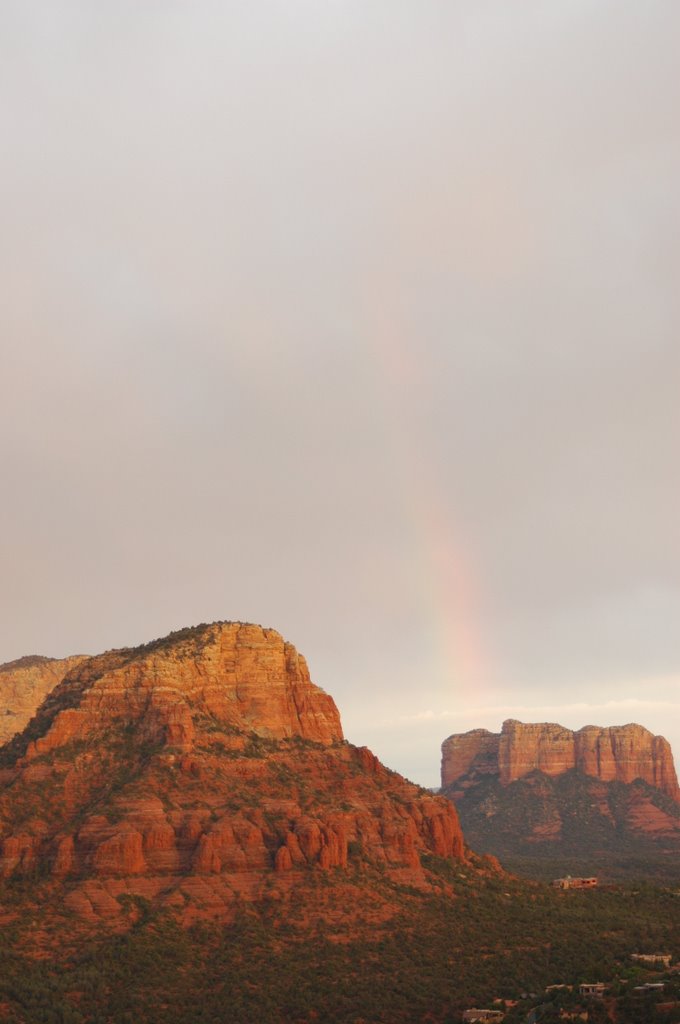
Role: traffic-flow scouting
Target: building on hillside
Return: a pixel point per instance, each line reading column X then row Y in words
column 649, row 987
column 595, row 989
column 656, row 959
column 486, row 1016
column 574, row 883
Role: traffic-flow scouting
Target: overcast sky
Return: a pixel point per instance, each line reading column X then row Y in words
column 358, row 320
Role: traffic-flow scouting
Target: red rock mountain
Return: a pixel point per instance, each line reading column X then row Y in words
column 596, row 801
column 200, row 769
column 617, row 753
column 24, row 684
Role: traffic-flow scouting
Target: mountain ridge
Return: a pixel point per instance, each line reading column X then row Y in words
column 613, row 753
column 199, row 771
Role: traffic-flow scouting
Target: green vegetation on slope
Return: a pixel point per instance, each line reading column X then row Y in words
column 316, row 961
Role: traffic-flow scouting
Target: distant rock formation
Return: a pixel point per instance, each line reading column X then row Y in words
column 24, row 684
column 616, row 753
column 463, row 752
column 600, row 800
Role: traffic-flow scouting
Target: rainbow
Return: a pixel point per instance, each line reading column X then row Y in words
column 447, row 581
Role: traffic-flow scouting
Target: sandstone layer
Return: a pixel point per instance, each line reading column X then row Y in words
column 24, row 684
column 198, row 770
column 617, row 753
column 463, row 752
column 245, row 676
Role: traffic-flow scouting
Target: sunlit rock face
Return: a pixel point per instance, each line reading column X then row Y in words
column 461, row 753
column 246, row 676
column 24, row 684
column 615, row 753
column 625, row 753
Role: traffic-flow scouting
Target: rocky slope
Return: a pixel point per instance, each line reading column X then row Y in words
column 603, row 798
column 200, row 770
column 617, row 753
column 24, row 684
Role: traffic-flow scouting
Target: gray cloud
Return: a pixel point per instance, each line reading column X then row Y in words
column 358, row 322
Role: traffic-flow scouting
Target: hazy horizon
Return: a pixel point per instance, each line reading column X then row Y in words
column 360, row 323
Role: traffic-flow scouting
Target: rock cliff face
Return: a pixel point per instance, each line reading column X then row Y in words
column 24, row 684
column 617, row 753
column 600, row 800
column 477, row 749
column 200, row 769
column 247, row 677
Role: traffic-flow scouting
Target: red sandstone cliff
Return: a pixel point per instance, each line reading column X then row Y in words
column 199, row 769
column 617, row 753
column 247, row 677
column 24, row 684
column 461, row 753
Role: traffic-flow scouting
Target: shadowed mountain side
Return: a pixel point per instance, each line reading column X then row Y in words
column 544, row 827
